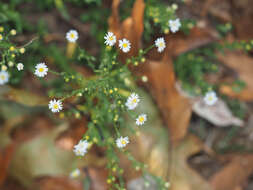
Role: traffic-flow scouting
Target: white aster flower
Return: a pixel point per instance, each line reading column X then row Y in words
column 72, row 36
column 140, row 120
column 124, row 45
column 174, row 25
column 160, row 44
column 81, row 148
column 122, row 142
column 20, row 66
column 41, row 70
column 55, row 105
column 4, row 77
column 4, row 68
column 210, row 98
column 75, row 173
column 132, row 101
column 110, row 39
column 10, row 64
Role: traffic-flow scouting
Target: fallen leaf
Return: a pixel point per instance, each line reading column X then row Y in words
column 175, row 109
column 198, row 37
column 163, row 159
column 72, row 135
column 139, row 184
column 242, row 19
column 22, row 97
column 12, row 184
column 31, row 129
column 5, row 159
column 39, row 156
column 234, row 174
column 131, row 28
column 243, row 65
column 182, row 176
column 57, row 183
column 218, row 114
column 98, row 177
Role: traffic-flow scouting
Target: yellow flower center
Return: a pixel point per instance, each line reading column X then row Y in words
column 1, row 37
column 75, row 174
column 123, row 142
column 161, row 44
column 111, row 38
column 55, row 106
column 72, row 35
column 125, row 45
column 134, row 100
column 41, row 69
column 210, row 98
column 141, row 119
column 2, row 77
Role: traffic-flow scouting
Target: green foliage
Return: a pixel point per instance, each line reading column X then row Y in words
column 158, row 14
column 192, row 67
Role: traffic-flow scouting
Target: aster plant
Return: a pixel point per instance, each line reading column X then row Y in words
column 108, row 97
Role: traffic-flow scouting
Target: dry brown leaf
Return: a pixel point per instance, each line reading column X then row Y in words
column 218, row 114
column 98, row 177
column 12, row 184
column 23, row 97
column 243, row 65
column 57, row 183
column 156, row 156
column 114, row 21
column 72, row 135
column 234, row 174
column 163, row 159
column 182, row 176
column 176, row 109
column 181, row 43
column 5, row 159
column 30, row 129
column 242, row 20
column 131, row 28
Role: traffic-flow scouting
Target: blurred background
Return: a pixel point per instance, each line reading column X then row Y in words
column 194, row 147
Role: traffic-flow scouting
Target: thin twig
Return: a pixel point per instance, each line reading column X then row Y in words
column 28, row 43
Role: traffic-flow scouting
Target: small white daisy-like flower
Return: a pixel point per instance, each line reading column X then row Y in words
column 55, row 105
column 174, row 25
column 210, row 98
column 4, row 77
column 140, row 120
column 132, row 101
column 110, row 39
column 13, row 32
column 75, row 173
column 81, row 148
column 124, row 45
column 72, row 36
column 160, row 44
column 4, row 68
column 20, row 66
column 121, row 142
column 41, row 70
column 10, row 64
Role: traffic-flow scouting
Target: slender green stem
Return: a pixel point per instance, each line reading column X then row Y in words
column 54, row 72
column 116, row 130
